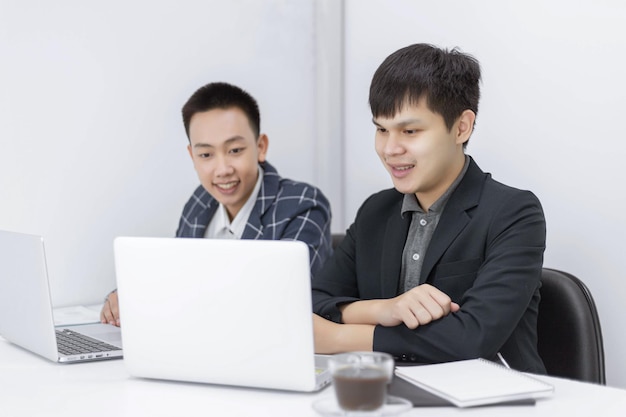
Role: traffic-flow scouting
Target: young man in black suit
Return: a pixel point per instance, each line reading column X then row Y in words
column 447, row 265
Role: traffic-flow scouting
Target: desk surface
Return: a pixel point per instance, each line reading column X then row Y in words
column 33, row 386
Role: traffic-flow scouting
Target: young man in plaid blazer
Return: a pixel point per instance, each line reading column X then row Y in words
column 241, row 195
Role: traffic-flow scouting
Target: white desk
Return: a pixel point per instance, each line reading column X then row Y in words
column 32, row 386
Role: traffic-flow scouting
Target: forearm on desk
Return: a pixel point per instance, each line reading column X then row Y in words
column 331, row 337
column 361, row 312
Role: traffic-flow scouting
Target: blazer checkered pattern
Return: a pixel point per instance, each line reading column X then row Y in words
column 284, row 210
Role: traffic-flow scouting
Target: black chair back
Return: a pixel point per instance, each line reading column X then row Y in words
column 569, row 334
column 336, row 239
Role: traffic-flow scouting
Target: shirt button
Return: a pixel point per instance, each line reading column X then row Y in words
column 423, row 222
column 416, row 256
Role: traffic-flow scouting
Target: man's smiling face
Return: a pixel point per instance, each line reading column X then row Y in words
column 225, row 155
column 422, row 156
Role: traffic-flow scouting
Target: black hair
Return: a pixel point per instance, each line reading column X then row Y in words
column 221, row 95
column 448, row 80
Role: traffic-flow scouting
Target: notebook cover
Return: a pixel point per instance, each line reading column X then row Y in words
column 468, row 383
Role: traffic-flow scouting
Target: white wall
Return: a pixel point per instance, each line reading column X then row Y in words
column 91, row 139
column 92, row 146
column 549, row 121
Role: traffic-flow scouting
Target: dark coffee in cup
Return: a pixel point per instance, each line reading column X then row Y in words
column 360, row 388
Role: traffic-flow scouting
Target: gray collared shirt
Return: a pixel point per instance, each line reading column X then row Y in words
column 421, row 231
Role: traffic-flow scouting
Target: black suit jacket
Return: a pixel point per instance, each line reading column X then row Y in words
column 486, row 254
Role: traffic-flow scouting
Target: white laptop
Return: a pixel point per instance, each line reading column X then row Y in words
column 26, row 317
column 232, row 312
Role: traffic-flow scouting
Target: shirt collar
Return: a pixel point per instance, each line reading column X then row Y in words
column 239, row 222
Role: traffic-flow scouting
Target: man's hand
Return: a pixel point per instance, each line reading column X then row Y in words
column 110, row 310
column 416, row 307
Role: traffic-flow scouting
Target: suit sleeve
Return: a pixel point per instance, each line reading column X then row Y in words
column 308, row 220
column 337, row 282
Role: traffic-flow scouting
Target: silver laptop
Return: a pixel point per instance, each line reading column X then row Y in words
column 26, row 316
column 232, row 312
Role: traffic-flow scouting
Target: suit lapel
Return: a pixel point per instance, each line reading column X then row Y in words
column 267, row 195
column 453, row 220
column 197, row 221
column 201, row 222
column 391, row 258
column 455, row 217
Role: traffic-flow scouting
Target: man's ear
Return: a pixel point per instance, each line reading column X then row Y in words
column 465, row 126
column 190, row 151
column 262, row 144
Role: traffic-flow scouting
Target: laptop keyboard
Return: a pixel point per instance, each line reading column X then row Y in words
column 71, row 343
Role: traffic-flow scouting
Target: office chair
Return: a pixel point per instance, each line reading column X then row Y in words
column 336, row 239
column 568, row 327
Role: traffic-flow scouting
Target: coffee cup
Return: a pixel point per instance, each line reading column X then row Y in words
column 360, row 379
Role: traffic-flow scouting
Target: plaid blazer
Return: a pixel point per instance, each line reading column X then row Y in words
column 284, row 210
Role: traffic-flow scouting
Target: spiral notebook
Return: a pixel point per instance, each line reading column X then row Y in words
column 475, row 382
